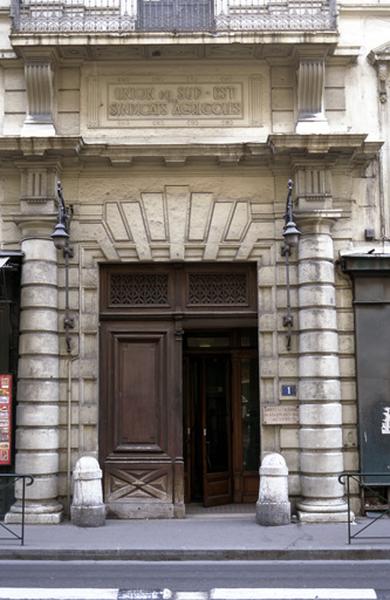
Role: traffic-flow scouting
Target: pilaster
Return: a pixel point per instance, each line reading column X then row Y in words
column 37, row 417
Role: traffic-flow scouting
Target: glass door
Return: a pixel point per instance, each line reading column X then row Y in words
column 217, row 484
column 221, row 417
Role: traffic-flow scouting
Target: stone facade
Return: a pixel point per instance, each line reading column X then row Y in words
column 172, row 153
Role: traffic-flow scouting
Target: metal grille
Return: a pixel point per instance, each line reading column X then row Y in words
column 139, row 289
column 217, row 288
column 78, row 16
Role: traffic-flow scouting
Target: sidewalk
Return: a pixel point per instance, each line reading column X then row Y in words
column 197, row 538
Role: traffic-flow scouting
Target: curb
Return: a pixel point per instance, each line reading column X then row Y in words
column 166, row 594
column 61, row 554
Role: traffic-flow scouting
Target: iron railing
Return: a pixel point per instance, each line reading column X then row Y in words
column 7, row 480
column 361, row 480
column 171, row 16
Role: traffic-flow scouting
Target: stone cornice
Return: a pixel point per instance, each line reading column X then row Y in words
column 364, row 7
column 317, row 143
column 279, row 148
column 35, row 147
column 328, row 148
column 380, row 54
column 56, row 40
column 79, row 48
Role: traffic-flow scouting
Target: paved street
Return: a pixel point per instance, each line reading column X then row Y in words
column 197, row 575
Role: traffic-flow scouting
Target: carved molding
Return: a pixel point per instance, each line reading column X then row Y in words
column 139, row 483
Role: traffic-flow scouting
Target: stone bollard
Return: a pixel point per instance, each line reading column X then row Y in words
column 87, row 508
column 273, row 506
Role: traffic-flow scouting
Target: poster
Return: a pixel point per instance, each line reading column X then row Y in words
column 5, row 419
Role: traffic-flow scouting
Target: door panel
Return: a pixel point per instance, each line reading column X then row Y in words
column 140, row 423
column 138, row 370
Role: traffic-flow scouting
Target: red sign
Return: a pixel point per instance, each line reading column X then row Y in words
column 5, row 419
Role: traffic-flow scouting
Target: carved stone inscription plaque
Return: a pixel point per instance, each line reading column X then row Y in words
column 201, row 101
column 117, row 102
column 280, row 415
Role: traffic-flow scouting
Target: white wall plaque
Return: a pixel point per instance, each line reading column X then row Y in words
column 280, row 415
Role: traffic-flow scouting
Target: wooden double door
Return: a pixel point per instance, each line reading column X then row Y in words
column 221, row 426
column 179, row 403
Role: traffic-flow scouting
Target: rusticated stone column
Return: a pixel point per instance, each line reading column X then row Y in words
column 37, row 419
column 319, row 377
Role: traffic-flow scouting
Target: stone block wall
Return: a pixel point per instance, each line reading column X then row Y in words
column 222, row 216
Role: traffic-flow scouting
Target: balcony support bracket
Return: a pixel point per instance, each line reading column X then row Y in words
column 39, row 77
column 310, row 95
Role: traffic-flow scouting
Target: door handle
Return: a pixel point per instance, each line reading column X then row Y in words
column 204, row 432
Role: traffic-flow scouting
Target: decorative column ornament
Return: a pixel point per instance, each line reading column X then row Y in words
column 38, row 184
column 382, row 81
column 313, row 186
column 319, row 375
column 310, row 96
column 39, row 76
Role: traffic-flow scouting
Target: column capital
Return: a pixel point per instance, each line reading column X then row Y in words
column 36, row 227
column 317, row 220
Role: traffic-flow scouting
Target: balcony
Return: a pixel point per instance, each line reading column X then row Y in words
column 172, row 16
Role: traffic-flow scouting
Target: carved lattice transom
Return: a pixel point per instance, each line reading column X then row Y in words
column 135, row 289
column 217, row 288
